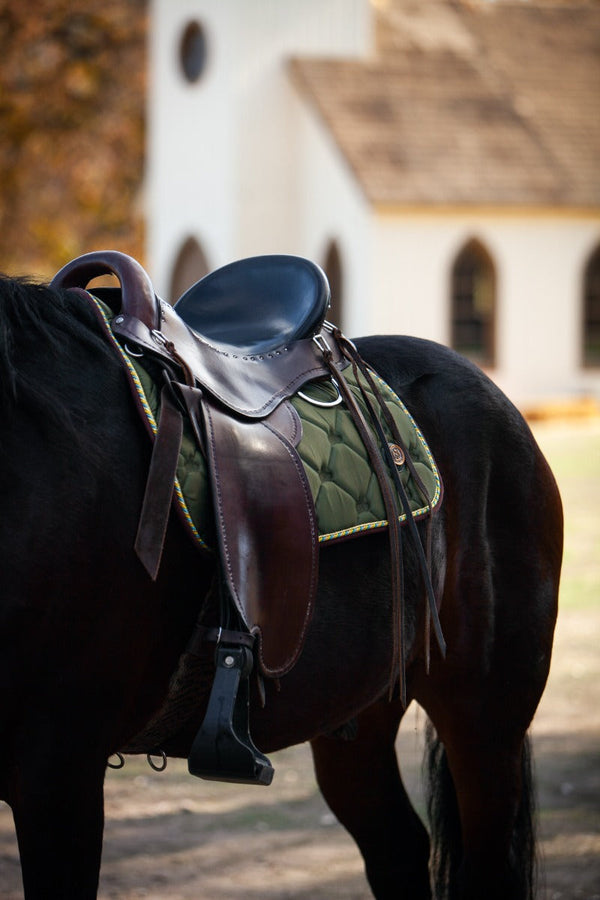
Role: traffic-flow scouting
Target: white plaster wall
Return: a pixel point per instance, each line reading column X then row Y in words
column 222, row 154
column 331, row 207
column 408, row 281
column 191, row 136
column 539, row 262
column 269, row 153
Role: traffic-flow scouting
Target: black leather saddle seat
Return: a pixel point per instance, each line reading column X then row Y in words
column 257, row 305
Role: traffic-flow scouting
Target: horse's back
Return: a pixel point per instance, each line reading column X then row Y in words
column 496, row 479
column 474, row 430
column 439, row 386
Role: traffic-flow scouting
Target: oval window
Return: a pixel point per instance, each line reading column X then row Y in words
column 193, row 51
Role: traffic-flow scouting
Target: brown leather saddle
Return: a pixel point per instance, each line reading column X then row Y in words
column 236, row 347
column 239, row 343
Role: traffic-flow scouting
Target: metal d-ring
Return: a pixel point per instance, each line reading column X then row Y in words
column 163, row 763
column 131, row 352
column 326, row 404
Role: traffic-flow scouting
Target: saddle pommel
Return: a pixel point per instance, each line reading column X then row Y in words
column 137, row 293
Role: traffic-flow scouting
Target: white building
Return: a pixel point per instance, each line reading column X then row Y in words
column 441, row 160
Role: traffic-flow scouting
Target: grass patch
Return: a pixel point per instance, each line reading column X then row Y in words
column 573, row 452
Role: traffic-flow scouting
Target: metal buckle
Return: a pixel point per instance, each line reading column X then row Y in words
column 321, row 343
column 158, row 337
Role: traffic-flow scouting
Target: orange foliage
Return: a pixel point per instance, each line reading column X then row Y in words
column 72, row 110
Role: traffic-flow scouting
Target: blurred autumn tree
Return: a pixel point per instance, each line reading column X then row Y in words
column 72, row 106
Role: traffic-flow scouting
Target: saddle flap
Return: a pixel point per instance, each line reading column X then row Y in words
column 267, row 531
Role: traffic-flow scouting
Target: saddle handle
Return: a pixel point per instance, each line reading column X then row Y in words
column 137, row 292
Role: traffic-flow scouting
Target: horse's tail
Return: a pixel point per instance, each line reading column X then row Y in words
column 444, row 823
column 442, row 812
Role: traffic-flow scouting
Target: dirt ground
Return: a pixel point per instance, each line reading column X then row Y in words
column 172, row 837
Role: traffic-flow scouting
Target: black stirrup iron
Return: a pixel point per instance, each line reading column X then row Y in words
column 223, row 749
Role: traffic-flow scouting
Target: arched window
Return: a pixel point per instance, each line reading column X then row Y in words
column 591, row 310
column 473, row 304
column 333, row 269
column 190, row 266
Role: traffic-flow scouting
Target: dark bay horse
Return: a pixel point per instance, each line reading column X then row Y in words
column 88, row 642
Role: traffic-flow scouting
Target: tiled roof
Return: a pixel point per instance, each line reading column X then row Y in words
column 469, row 103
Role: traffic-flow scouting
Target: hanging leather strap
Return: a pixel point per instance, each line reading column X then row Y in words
column 156, row 506
column 388, row 476
column 424, row 556
column 393, row 516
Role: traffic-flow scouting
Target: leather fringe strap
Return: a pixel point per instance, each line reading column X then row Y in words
column 386, row 477
column 393, row 515
column 424, row 557
column 154, row 516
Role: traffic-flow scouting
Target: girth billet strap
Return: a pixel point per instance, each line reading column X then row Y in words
column 160, row 483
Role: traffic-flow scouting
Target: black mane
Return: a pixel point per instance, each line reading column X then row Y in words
column 46, row 338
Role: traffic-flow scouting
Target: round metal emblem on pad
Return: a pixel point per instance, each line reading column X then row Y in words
column 397, row 454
